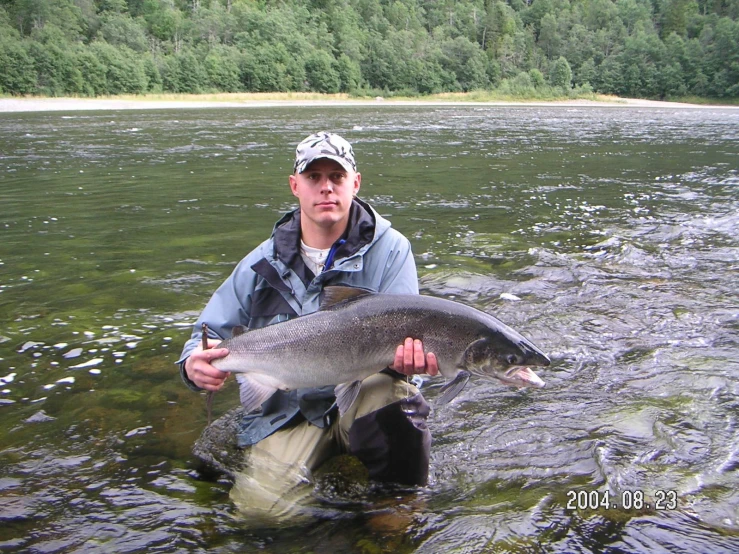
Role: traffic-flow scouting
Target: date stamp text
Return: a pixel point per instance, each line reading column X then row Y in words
column 625, row 500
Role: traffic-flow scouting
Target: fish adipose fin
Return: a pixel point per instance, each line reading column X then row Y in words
column 238, row 330
column 252, row 393
column 453, row 387
column 346, row 394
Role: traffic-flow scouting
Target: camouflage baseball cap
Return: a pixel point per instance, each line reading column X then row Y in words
column 324, row 145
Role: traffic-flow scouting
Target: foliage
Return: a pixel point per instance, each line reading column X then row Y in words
column 124, row 69
column 561, row 74
column 222, row 66
column 640, row 48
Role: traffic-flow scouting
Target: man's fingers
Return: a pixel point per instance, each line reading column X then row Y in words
column 408, row 354
column 398, row 362
column 212, row 354
column 206, row 376
column 432, row 365
column 410, row 359
column 419, row 357
column 210, row 383
column 202, row 373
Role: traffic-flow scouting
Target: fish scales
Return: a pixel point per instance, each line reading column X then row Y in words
column 368, row 335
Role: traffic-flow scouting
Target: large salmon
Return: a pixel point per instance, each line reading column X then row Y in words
column 355, row 334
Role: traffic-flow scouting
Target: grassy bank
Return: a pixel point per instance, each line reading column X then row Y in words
column 260, row 97
column 707, row 101
column 552, row 95
column 231, row 97
column 229, row 100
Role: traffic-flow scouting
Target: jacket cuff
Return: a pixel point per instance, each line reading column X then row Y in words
column 393, row 373
column 186, row 379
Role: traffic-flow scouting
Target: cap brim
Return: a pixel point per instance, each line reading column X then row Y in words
column 338, row 159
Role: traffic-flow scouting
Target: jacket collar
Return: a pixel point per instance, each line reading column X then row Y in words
column 364, row 226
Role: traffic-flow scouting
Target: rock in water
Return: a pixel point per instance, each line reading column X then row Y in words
column 342, row 479
column 217, row 446
column 40, row 417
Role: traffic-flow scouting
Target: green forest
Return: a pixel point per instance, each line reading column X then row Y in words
column 659, row 49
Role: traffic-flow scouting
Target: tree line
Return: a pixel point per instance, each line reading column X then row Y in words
column 635, row 48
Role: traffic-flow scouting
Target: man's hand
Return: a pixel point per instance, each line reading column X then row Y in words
column 410, row 359
column 199, row 370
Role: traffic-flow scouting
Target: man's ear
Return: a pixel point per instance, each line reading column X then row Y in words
column 293, row 184
column 357, row 183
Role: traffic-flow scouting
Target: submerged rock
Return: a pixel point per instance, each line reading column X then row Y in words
column 342, row 479
column 217, row 446
column 40, row 417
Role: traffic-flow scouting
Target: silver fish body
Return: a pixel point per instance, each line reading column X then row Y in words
column 355, row 334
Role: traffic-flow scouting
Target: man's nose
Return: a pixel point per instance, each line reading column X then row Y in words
column 326, row 184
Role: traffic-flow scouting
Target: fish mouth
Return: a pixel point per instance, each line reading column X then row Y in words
column 521, row 376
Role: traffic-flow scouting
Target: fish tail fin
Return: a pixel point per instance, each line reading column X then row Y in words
column 453, row 387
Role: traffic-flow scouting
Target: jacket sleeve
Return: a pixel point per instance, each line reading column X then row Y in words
column 400, row 275
column 228, row 307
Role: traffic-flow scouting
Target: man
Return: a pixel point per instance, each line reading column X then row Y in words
column 332, row 239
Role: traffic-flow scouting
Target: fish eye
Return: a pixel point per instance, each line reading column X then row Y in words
column 512, row 359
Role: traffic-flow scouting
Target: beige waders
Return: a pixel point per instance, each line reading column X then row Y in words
column 385, row 428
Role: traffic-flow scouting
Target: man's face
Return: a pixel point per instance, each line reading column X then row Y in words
column 325, row 191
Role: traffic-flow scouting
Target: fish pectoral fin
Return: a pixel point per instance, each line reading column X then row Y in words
column 346, row 394
column 253, row 393
column 453, row 387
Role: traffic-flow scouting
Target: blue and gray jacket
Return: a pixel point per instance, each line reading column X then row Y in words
column 273, row 284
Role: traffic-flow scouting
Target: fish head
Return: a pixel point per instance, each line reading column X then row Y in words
column 506, row 358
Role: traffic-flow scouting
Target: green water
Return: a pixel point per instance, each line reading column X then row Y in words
column 615, row 228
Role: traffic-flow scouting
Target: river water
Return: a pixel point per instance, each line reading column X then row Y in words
column 606, row 235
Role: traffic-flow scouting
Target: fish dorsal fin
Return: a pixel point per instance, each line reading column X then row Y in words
column 336, row 295
column 238, row 330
